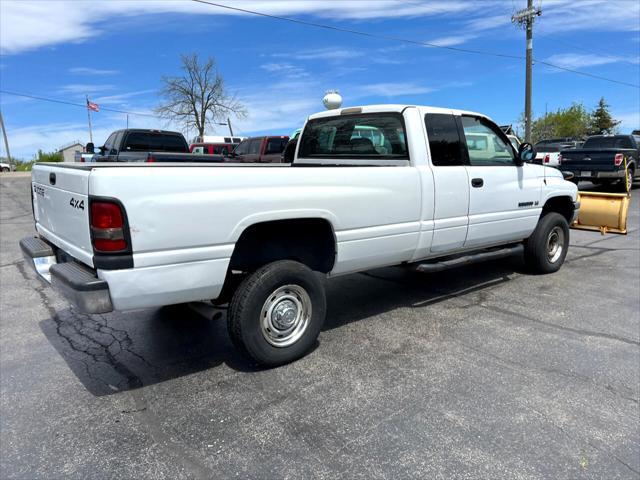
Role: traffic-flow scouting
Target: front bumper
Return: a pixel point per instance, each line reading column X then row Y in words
column 576, row 211
column 76, row 282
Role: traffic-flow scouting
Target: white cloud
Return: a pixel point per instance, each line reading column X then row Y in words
column 629, row 121
column 33, row 24
column 285, row 69
column 327, row 53
column 91, row 71
column 392, row 89
column 577, row 60
column 452, row 40
column 85, row 88
column 120, row 97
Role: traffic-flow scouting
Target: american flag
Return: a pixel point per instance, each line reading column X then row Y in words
column 93, row 106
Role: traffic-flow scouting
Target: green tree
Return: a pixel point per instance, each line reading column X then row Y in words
column 48, row 156
column 574, row 121
column 602, row 123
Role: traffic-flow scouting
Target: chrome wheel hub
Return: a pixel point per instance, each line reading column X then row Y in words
column 285, row 315
column 555, row 244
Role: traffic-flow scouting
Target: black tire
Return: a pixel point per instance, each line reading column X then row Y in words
column 538, row 254
column 5, row 170
column 627, row 183
column 247, row 320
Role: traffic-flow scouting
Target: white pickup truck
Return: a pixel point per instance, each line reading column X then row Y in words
column 261, row 237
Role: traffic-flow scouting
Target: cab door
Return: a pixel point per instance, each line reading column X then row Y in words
column 503, row 197
column 451, row 182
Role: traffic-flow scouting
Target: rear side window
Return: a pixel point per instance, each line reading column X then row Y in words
column 444, row 140
column 366, row 136
column 276, row 145
column 254, row 146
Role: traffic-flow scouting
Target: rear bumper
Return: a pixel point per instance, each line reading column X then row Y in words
column 77, row 283
column 584, row 174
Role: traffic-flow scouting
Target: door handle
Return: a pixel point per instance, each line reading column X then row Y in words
column 477, row 182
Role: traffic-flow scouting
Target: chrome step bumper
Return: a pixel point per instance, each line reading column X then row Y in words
column 77, row 283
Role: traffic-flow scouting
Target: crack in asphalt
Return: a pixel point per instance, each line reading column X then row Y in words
column 577, row 331
column 94, row 339
column 524, row 368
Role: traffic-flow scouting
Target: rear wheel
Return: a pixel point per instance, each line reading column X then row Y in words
column 627, row 183
column 5, row 169
column 546, row 248
column 276, row 314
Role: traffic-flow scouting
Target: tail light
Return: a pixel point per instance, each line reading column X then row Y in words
column 107, row 227
column 618, row 159
column 151, row 159
column 559, row 159
column 546, row 158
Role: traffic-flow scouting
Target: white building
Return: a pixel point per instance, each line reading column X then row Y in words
column 69, row 151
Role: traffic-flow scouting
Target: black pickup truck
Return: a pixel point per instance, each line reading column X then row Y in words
column 142, row 145
column 602, row 160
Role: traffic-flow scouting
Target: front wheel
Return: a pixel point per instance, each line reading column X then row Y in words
column 5, row 170
column 276, row 314
column 546, row 248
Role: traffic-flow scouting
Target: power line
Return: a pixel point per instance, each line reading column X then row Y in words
column 64, row 102
column 409, row 41
column 360, row 33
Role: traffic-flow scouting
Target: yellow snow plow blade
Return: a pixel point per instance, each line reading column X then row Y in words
column 603, row 212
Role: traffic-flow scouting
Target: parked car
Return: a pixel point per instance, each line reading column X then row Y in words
column 263, row 237
column 145, row 145
column 259, row 150
column 5, row 167
column 219, row 139
column 223, row 149
column 602, row 160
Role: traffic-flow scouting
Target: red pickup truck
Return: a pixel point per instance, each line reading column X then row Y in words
column 259, row 150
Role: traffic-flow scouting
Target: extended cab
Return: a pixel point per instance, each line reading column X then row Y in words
column 142, row 145
column 424, row 190
column 604, row 159
column 259, row 150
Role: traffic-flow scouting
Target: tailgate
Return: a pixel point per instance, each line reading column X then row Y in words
column 600, row 161
column 61, row 208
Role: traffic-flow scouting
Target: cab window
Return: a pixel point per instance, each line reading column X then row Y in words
column 485, row 145
column 365, row 136
column 444, row 140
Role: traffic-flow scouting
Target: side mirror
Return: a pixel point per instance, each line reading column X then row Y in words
column 90, row 148
column 526, row 154
column 568, row 175
column 102, row 149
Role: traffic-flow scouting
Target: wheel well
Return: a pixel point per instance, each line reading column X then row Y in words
column 562, row 205
column 310, row 241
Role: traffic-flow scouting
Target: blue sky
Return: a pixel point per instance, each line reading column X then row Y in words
column 117, row 52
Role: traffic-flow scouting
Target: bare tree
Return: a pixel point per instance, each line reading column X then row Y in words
column 198, row 98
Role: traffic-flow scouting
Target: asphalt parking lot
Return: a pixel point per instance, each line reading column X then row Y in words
column 479, row 372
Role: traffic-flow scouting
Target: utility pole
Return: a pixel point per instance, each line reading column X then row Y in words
column 229, row 123
column 525, row 19
column 6, row 142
